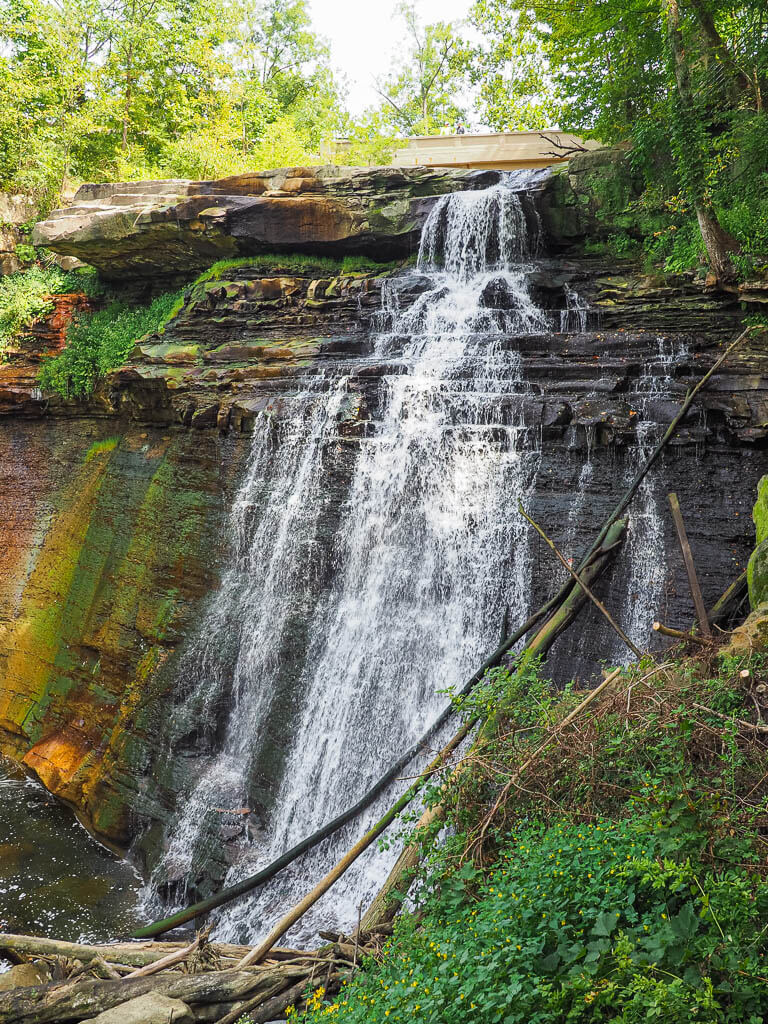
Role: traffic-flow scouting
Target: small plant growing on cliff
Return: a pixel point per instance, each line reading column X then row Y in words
column 26, row 296
column 23, row 298
column 98, row 342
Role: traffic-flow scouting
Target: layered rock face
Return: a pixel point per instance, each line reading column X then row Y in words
column 116, row 529
column 172, row 228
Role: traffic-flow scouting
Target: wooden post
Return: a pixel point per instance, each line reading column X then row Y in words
column 690, row 568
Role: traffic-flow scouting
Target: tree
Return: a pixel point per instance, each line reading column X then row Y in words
column 684, row 79
column 510, row 70
column 420, row 94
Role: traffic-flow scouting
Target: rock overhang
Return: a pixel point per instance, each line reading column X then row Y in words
column 179, row 227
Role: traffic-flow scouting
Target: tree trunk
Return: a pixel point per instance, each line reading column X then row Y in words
column 740, row 82
column 718, row 243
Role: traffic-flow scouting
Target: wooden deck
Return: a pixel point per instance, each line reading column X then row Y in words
column 500, row 150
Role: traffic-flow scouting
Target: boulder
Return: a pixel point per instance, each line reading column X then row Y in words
column 148, row 1009
column 23, row 976
column 177, row 227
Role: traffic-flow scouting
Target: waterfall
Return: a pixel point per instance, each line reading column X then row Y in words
column 645, row 553
column 574, row 317
column 425, row 557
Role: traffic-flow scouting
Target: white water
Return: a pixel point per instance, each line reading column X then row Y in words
column 427, row 555
column 644, row 551
column 574, row 316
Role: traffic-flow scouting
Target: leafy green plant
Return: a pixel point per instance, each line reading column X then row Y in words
column 26, row 296
column 25, row 253
column 98, row 342
column 622, row 879
column 23, row 298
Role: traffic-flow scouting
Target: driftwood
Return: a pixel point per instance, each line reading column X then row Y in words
column 215, row 993
column 73, row 1001
column 130, row 954
column 172, row 958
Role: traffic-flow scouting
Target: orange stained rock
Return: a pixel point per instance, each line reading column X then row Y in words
column 57, row 759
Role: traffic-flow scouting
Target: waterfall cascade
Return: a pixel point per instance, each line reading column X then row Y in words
column 424, row 560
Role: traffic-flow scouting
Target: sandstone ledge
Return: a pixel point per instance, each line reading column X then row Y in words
column 173, row 227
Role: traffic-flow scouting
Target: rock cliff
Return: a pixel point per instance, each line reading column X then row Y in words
column 116, row 507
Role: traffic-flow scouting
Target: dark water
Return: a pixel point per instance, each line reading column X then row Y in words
column 55, row 880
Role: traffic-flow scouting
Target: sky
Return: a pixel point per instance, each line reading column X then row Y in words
column 365, row 35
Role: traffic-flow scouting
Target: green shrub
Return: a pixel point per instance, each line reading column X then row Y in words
column 25, row 296
column 575, row 922
column 98, row 342
column 622, row 879
column 677, row 248
column 25, row 253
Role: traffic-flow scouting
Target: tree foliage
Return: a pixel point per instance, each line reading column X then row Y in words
column 119, row 88
column 419, row 95
column 685, row 80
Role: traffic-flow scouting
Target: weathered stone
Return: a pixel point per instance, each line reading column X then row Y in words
column 23, row 976
column 171, row 227
column 151, row 1008
column 752, row 635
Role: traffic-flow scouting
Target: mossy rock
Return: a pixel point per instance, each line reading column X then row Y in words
column 757, row 569
column 760, row 511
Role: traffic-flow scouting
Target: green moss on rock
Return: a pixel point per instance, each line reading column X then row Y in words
column 757, row 569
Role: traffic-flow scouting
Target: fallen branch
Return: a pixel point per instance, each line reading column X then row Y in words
column 579, row 579
column 172, row 958
column 677, row 634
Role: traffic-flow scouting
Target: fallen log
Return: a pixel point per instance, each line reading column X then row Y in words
column 74, row 1001
column 125, row 954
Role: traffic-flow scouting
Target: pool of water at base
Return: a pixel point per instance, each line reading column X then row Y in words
column 55, row 879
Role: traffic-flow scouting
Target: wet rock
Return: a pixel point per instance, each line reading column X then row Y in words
column 23, row 976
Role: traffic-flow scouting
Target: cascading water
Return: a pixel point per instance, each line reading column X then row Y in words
column 425, row 559
column 644, row 553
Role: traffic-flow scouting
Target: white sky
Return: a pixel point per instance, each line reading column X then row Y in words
column 364, row 35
